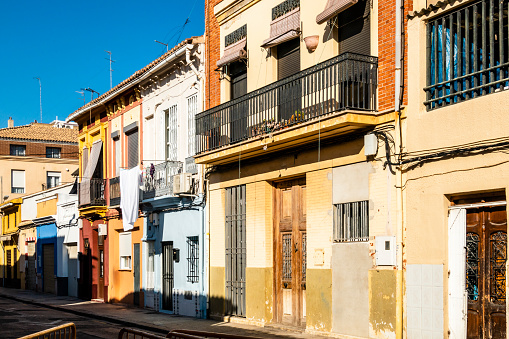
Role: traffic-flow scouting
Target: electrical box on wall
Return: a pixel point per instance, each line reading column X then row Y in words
column 385, row 251
column 370, row 144
column 102, row 229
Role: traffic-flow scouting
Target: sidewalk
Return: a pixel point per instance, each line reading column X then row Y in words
column 144, row 319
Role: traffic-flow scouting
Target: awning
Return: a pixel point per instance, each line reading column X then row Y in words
column 232, row 53
column 89, row 171
column 283, row 28
column 334, row 7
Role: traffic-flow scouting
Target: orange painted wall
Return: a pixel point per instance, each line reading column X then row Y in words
column 121, row 282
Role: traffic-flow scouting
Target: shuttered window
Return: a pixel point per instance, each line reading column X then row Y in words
column 124, row 250
column 132, row 149
column 117, row 156
column 192, row 109
column 288, row 55
column 17, row 181
column 354, row 29
column 238, row 78
column 171, row 133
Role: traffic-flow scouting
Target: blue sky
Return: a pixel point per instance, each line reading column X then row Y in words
column 64, row 42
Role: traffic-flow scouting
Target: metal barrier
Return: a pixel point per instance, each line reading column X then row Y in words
column 203, row 334
column 65, row 331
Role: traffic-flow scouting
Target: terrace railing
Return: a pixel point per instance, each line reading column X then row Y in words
column 158, row 179
column 347, row 81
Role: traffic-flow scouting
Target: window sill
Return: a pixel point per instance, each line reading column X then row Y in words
column 125, row 269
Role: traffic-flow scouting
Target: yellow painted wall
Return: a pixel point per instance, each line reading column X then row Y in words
column 23, row 235
column 47, row 207
column 383, row 300
column 121, row 282
column 217, row 252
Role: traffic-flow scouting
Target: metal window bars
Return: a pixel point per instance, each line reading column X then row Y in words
column 467, row 53
column 193, row 258
column 351, row 221
column 158, row 179
column 347, row 81
column 235, row 250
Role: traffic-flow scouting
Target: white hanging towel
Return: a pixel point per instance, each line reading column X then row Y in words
column 129, row 196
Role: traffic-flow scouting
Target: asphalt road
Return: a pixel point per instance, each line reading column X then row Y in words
column 18, row 319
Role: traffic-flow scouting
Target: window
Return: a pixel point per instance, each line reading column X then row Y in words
column 53, row 152
column 125, row 244
column 354, row 29
column 84, row 161
column 116, row 146
column 18, row 150
column 17, row 181
column 171, row 133
column 192, row 109
column 467, row 54
column 101, row 263
column 193, row 256
column 351, row 221
column 132, row 149
column 52, row 179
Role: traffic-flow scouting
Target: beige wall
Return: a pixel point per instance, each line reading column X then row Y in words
column 35, row 172
column 262, row 63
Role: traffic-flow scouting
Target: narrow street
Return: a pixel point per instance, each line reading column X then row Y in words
column 18, row 319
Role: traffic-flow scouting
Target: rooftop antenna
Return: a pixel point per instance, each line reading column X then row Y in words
column 111, row 69
column 40, row 95
column 88, row 89
column 162, row 43
column 83, row 96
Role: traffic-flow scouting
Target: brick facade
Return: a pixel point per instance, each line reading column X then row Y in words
column 38, row 149
column 212, row 55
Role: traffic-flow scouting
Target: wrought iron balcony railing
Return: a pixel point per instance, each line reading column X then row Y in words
column 115, row 191
column 92, row 193
column 347, row 81
column 158, row 179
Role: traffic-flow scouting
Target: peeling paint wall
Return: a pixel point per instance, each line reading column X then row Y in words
column 383, row 303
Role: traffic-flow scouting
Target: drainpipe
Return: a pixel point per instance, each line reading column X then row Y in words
column 189, row 62
column 397, row 110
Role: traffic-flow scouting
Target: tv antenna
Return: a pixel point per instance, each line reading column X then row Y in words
column 111, row 69
column 40, row 95
column 88, row 89
column 83, row 96
column 162, row 43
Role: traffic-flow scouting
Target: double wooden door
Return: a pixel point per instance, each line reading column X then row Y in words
column 486, row 251
column 290, row 252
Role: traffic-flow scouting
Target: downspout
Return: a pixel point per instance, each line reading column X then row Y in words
column 397, row 109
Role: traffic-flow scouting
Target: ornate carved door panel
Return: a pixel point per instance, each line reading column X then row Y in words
column 290, row 252
column 486, row 272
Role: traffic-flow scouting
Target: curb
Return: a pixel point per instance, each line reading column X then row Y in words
column 90, row 315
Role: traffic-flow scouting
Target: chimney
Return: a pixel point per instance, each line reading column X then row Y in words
column 10, row 122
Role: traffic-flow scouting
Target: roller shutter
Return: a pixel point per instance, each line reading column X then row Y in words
column 132, row 152
column 354, row 29
column 288, row 55
column 48, row 269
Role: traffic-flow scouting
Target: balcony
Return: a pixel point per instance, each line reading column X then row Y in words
column 115, row 191
column 158, row 179
column 91, row 193
column 346, row 83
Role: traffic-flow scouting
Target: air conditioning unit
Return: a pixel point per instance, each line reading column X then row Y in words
column 182, row 183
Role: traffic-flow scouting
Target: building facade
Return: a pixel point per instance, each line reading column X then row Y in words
column 174, row 274
column 455, row 170
column 35, row 157
column 304, row 117
column 11, row 218
column 53, row 215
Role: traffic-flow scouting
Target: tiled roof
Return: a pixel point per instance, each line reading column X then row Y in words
column 41, row 132
column 132, row 78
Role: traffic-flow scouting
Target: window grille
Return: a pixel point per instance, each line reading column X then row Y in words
column 235, row 36
column 171, row 133
column 53, row 152
column 193, row 256
column 18, row 150
column 236, row 250
column 284, row 7
column 467, row 53
column 351, row 221
column 192, row 109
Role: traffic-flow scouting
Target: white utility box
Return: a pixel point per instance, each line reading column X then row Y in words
column 385, row 247
column 370, row 144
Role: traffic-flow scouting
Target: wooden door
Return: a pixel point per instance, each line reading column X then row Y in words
column 290, row 252
column 486, row 245
column 168, row 276
column 100, row 267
